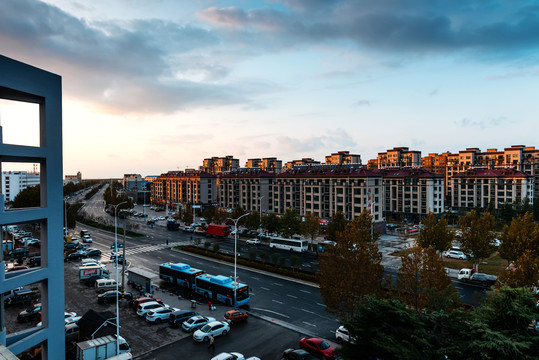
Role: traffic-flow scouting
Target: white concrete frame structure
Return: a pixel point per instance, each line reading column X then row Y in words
column 22, row 82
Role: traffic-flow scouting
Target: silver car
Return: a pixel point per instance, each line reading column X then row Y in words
column 196, row 322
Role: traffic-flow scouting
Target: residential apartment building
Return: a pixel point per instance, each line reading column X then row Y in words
column 325, row 190
column 398, row 156
column 271, row 165
column 43, row 90
column 343, row 157
column 252, row 189
column 411, row 193
column 13, row 182
column 133, row 182
column 303, row 162
column 189, row 187
column 216, row 165
column 480, row 186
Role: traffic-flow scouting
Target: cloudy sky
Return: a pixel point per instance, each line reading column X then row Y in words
column 153, row 86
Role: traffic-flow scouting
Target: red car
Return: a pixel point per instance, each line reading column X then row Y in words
column 136, row 302
column 317, row 347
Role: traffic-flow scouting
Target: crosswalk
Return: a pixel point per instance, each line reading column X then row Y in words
column 148, row 248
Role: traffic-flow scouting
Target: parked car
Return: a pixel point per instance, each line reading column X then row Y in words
column 19, row 253
column 72, row 320
column 17, row 268
column 93, row 252
column 31, row 313
column 196, row 322
column 110, row 296
column 236, row 316
column 144, row 308
column 33, row 242
column 296, row 354
column 232, row 356
column 160, row 314
column 76, row 255
column 255, row 241
column 454, row 254
column 177, row 318
column 214, row 328
column 341, row 334
column 34, row 261
column 141, row 300
column 317, row 347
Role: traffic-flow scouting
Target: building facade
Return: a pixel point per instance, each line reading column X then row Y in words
column 481, row 187
column 191, row 187
column 252, row 189
column 305, row 162
column 73, row 178
column 217, row 165
column 343, row 157
column 13, row 182
column 398, row 156
column 271, row 165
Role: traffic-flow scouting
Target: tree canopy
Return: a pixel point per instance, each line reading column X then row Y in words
column 521, row 235
column 271, row 223
column 290, row 223
column 29, row 197
column 311, row 226
column 435, row 233
column 477, row 232
column 337, row 223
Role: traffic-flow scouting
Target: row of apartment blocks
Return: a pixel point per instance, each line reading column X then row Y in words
column 399, row 183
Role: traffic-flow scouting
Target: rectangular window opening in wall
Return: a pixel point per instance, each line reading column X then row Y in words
column 22, row 180
column 20, row 122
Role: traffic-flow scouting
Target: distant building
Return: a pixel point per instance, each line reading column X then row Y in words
column 271, row 165
column 343, row 157
column 133, row 182
column 73, row 178
column 190, row 187
column 398, row 156
column 13, row 182
column 216, row 165
column 252, row 189
column 305, row 161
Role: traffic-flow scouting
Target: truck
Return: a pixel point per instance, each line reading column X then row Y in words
column 214, row 230
column 481, row 279
column 101, row 348
column 172, row 225
column 85, row 272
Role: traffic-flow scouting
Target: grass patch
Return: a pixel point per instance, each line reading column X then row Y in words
column 494, row 265
column 401, row 252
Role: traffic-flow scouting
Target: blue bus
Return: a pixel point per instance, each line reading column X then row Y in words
column 221, row 288
column 212, row 287
column 179, row 274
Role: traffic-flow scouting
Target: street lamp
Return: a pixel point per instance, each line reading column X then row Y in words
column 235, row 221
column 260, row 224
column 117, row 290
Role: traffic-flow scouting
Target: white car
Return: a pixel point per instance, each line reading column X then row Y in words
column 144, row 308
column 69, row 318
column 196, row 322
column 214, row 328
column 232, row 356
column 341, row 334
column 454, row 254
column 254, row 241
column 158, row 315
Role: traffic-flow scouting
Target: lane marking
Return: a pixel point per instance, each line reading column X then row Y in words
column 309, row 323
column 305, row 291
column 263, row 288
column 324, row 305
column 277, row 284
column 307, row 311
column 273, row 312
column 292, row 296
column 278, row 302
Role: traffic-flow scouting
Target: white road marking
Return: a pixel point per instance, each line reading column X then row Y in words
column 292, row 296
column 308, row 323
column 305, row 291
column 263, row 288
column 278, row 302
column 324, row 305
column 273, row 312
column 307, row 311
column 277, row 284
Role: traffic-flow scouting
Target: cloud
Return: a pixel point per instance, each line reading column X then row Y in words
column 333, row 139
column 482, row 124
column 363, row 103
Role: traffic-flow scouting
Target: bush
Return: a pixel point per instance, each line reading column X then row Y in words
column 252, row 254
column 216, row 247
column 207, row 245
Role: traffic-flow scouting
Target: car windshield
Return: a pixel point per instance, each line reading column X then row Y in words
column 206, row 328
column 190, row 321
column 323, row 345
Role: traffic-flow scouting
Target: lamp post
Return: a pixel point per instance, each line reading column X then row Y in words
column 260, row 223
column 117, row 290
column 235, row 221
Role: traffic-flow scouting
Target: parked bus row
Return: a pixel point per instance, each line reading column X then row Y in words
column 212, row 287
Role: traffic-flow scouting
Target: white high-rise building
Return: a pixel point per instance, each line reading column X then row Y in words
column 13, row 182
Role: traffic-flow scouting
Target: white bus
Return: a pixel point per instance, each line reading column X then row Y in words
column 289, row 244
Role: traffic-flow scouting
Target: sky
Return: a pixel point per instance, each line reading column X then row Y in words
column 154, row 86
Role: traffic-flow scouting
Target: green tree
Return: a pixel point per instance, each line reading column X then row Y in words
column 337, row 223
column 521, row 235
column 187, row 214
column 351, row 269
column 210, row 214
column 29, row 197
column 216, row 247
column 207, row 245
column 252, row 221
column 271, row 223
column 264, row 257
column 252, row 254
column 435, row 233
column 506, row 212
column 311, row 226
column 523, row 273
column 274, row 258
column 422, row 282
column 477, row 232
column 294, row 262
column 236, row 213
column 290, row 223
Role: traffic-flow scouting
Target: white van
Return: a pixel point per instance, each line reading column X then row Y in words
column 102, row 285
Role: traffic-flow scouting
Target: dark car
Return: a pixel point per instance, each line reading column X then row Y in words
column 76, row 255
column 317, row 347
column 34, row 261
column 110, row 296
column 70, row 246
column 93, row 252
column 31, row 313
column 178, row 317
column 19, row 253
column 92, row 279
column 236, row 316
column 296, row 354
